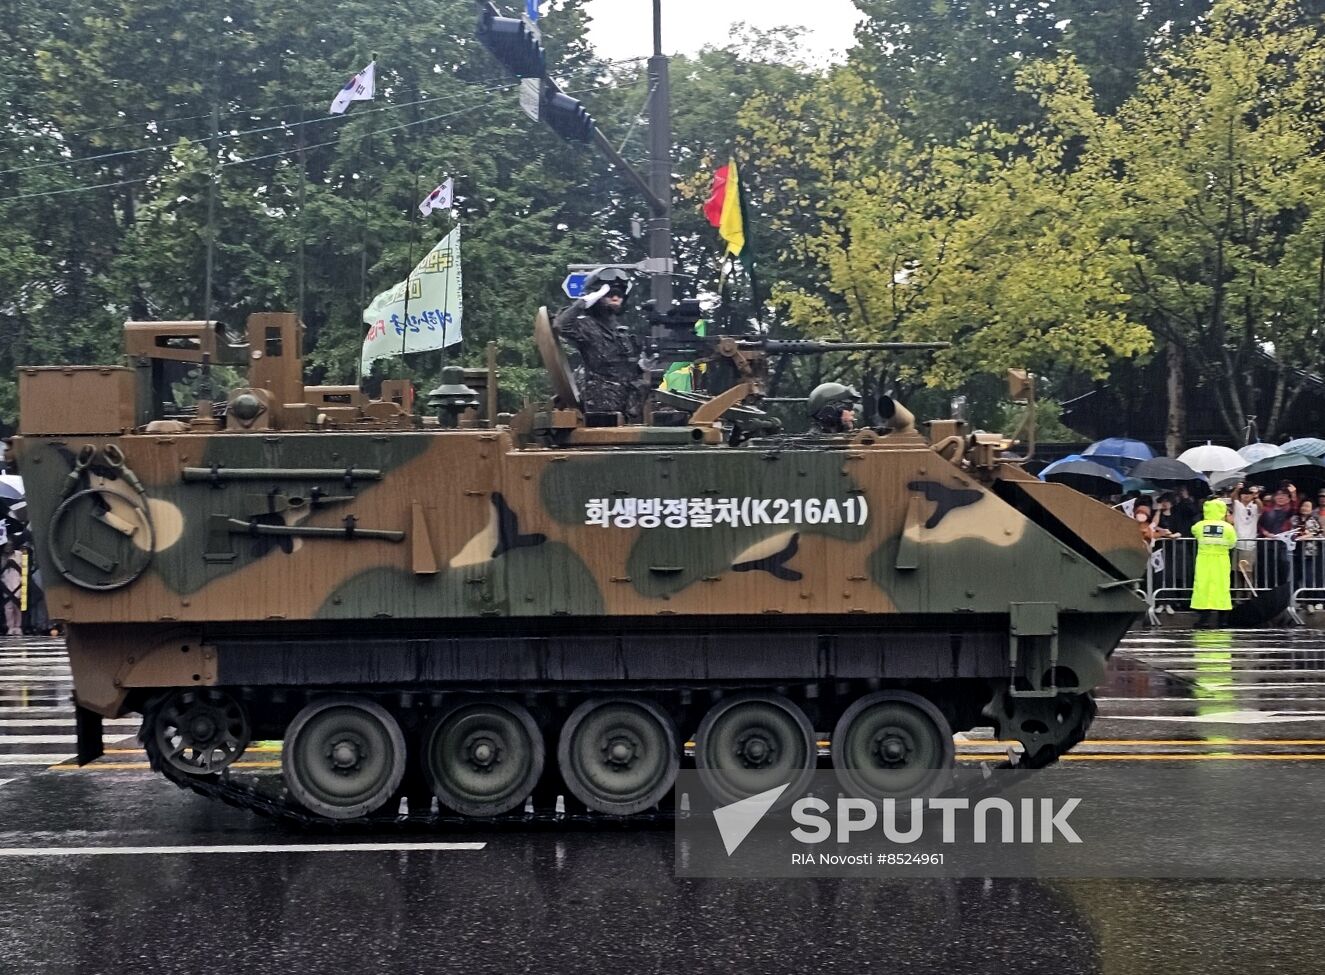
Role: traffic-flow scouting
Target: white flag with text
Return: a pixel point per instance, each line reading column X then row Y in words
column 429, row 318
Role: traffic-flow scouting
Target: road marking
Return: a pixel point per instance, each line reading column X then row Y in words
column 5, row 781
column 137, row 766
column 1223, row 717
column 32, row 759
column 1151, row 742
column 38, row 739
column 94, row 851
column 62, row 719
column 1143, row 757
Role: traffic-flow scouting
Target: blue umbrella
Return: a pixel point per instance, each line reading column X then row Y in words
column 1306, row 446
column 1119, row 453
column 1085, row 476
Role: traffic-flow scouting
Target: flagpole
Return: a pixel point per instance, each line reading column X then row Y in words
column 409, row 261
column 303, row 187
column 211, row 212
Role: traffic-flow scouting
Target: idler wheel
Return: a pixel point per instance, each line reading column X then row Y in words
column 343, row 757
column 619, row 756
column 893, row 745
column 750, row 743
column 199, row 732
column 484, row 757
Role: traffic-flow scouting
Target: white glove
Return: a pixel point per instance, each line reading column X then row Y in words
column 591, row 300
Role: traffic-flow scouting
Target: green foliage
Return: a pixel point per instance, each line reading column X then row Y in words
column 1214, row 174
column 1053, row 186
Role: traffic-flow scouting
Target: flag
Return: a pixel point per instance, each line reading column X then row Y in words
column 1157, row 561
column 724, row 207
column 1127, row 506
column 358, row 89
column 440, row 198
column 680, row 376
column 531, row 9
column 430, row 319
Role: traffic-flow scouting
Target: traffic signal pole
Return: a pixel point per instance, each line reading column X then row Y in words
column 660, row 168
column 516, row 44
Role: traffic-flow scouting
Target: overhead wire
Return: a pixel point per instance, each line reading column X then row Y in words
column 73, row 160
column 237, row 133
column 286, row 152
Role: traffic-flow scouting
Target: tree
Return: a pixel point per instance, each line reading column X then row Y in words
column 985, row 242
column 1217, row 182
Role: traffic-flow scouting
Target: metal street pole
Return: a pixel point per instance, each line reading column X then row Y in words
column 660, row 168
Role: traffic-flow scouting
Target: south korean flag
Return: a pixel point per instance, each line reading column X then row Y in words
column 360, row 88
column 441, row 198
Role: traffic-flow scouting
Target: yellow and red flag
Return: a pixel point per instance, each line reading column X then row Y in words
column 724, row 209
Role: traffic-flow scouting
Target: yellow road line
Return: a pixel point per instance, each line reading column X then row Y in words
column 1201, row 741
column 139, row 751
column 1159, row 757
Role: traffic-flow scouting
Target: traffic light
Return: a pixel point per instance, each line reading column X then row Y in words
column 512, row 43
column 564, row 114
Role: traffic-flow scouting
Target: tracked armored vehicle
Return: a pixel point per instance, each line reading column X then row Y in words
column 497, row 611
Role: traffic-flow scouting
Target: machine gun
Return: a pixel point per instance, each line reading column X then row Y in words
column 721, row 362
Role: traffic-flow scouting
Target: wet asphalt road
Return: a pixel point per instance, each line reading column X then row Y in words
column 608, row 900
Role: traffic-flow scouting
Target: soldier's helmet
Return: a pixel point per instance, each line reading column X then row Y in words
column 830, row 406
column 615, row 278
column 831, row 394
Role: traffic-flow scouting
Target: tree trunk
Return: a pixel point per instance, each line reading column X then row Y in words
column 1175, row 431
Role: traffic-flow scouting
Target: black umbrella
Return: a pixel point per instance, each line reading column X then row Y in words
column 1161, row 469
column 1085, row 476
column 1286, row 467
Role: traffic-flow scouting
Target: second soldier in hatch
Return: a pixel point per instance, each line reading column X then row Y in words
column 832, row 408
column 611, row 379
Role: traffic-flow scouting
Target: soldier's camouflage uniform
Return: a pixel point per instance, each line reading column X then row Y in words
column 610, row 372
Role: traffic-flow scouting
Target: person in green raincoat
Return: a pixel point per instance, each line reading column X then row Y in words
column 1215, row 537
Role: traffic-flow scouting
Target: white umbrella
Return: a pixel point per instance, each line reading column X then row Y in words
column 1253, row 452
column 1211, row 457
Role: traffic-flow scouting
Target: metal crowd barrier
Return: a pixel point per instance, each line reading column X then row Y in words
column 1270, row 563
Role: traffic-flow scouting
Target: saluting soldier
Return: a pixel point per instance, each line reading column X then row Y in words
column 611, row 377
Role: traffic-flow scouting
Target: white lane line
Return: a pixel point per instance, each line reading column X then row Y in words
column 93, row 851
column 5, row 781
column 33, row 759
column 38, row 739
column 62, row 719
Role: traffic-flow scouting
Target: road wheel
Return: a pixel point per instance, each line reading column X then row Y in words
column 619, row 756
column 484, row 757
column 751, row 743
column 893, row 745
column 343, row 757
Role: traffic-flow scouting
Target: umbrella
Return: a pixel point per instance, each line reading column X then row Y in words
column 1258, row 451
column 1224, row 479
column 1084, row 476
column 1138, row 485
column 11, row 487
column 1212, row 457
column 1286, row 467
column 1118, row 452
column 1307, row 446
column 1166, row 469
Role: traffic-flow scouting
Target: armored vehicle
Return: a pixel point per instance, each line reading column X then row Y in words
column 494, row 611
